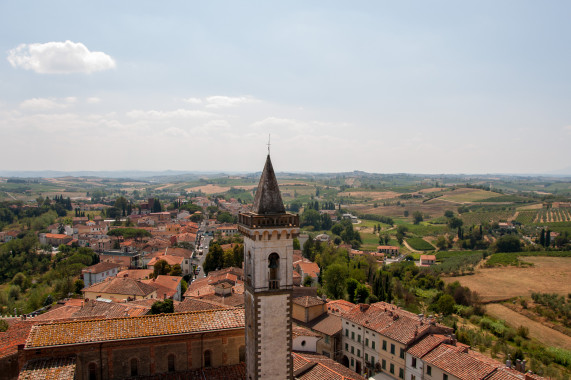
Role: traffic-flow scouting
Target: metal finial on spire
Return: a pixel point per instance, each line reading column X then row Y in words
column 268, row 144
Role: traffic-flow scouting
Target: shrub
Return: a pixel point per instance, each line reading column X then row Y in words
column 523, row 332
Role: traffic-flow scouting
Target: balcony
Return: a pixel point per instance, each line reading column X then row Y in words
column 274, row 285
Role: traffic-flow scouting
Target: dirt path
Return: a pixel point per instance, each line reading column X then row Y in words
column 537, row 331
column 410, row 248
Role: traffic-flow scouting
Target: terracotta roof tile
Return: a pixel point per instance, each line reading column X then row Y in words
column 122, row 285
column 194, row 304
column 297, row 331
column 457, row 363
column 101, row 267
column 504, row 373
column 16, row 334
column 390, row 321
column 49, row 369
column 77, row 332
column 426, row 344
column 231, row 372
column 329, row 325
column 319, row 367
column 308, row 301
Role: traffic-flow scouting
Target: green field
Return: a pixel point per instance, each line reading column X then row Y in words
column 420, row 244
column 506, row 259
column 464, row 195
column 475, row 218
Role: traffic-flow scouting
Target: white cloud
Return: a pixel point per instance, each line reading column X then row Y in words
column 59, row 58
column 93, row 100
column 43, row 104
column 228, row 101
column 193, row 100
column 176, row 114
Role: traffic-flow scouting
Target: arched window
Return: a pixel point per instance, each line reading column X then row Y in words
column 274, row 266
column 242, row 354
column 207, row 358
column 170, row 362
column 134, row 367
column 92, row 371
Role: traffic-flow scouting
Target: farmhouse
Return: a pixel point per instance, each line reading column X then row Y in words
column 388, row 249
column 427, row 260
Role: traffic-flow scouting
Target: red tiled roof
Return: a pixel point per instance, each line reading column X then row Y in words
column 319, row 367
column 16, row 334
column 100, row 330
column 504, row 373
column 194, row 304
column 136, row 274
column 49, row 369
column 340, row 306
column 101, row 267
column 125, row 286
column 329, row 325
column 171, row 260
column 308, row 301
column 297, row 331
column 230, row 372
column 426, row 344
column 390, row 321
column 457, row 363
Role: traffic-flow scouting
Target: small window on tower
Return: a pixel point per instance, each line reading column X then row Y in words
column 274, row 266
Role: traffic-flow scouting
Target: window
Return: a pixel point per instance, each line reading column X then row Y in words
column 353, row 335
column 401, row 373
column 384, row 345
column 444, row 376
column 373, row 344
column 359, row 338
column 346, row 347
column 92, row 371
column 428, row 370
column 413, row 362
column 207, row 358
column 412, row 377
column 392, row 370
column 327, row 339
column 346, row 332
column 359, row 353
column 402, row 353
column 367, row 342
column 384, row 364
column 274, row 266
column 366, row 357
column 134, row 367
column 352, row 362
column 170, row 362
column 392, row 349
column 372, row 360
column 352, row 349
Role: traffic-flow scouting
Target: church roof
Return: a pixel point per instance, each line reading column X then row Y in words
column 268, row 199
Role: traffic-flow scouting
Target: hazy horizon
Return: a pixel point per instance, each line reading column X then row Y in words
column 416, row 87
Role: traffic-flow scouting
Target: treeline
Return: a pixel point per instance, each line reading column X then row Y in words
column 377, row 218
column 55, row 278
column 217, row 258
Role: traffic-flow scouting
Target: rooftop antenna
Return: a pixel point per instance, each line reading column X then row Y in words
column 268, row 144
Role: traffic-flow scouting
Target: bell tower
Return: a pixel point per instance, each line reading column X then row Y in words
column 268, row 270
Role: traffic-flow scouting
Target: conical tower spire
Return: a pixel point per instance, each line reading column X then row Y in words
column 268, row 199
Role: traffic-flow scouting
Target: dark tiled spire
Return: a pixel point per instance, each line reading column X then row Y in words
column 268, row 199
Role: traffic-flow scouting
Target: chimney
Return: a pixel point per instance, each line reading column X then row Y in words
column 509, row 361
column 363, row 307
column 523, row 362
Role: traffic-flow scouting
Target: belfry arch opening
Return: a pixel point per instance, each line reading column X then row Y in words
column 274, row 267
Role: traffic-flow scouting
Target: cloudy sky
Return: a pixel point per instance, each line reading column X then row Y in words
column 379, row 86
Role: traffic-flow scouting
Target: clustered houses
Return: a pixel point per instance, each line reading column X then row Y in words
column 376, row 337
